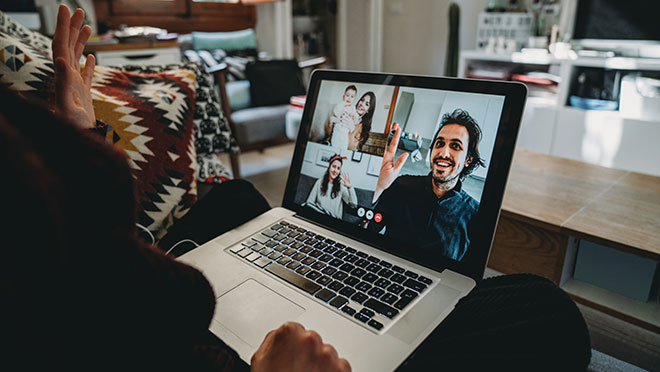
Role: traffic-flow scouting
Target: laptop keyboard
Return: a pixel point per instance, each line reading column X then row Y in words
column 362, row 287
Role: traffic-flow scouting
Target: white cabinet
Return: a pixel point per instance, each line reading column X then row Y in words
column 537, row 127
column 549, row 125
column 150, row 56
column 608, row 139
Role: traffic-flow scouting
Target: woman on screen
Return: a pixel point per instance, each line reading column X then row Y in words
column 365, row 108
column 335, row 188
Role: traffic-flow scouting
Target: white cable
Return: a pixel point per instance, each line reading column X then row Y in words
column 153, row 240
column 182, row 241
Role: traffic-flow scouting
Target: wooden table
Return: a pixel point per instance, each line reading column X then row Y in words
column 550, row 202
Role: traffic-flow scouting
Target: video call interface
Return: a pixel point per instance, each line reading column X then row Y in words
column 408, row 163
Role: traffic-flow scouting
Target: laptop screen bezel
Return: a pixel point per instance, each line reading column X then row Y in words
column 474, row 263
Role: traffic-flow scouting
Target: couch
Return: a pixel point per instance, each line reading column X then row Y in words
column 254, row 88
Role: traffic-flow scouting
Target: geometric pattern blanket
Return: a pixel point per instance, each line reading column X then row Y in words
column 212, row 132
column 150, row 117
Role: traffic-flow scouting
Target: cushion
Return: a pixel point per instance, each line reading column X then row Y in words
column 211, row 169
column 151, row 118
column 274, row 82
column 38, row 41
column 235, row 40
column 212, row 132
column 25, row 68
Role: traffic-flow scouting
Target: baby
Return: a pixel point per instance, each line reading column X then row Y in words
column 343, row 119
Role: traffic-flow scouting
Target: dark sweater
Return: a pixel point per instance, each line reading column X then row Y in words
column 79, row 289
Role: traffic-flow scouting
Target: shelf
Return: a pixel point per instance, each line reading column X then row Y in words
column 614, row 63
column 644, row 314
column 610, row 114
column 517, row 57
column 618, row 63
column 542, row 101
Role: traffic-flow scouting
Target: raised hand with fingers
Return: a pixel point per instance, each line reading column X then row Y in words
column 292, row 348
column 346, row 180
column 73, row 97
column 389, row 170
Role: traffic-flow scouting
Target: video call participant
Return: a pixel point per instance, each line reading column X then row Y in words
column 343, row 118
column 365, row 107
column 432, row 212
column 335, row 188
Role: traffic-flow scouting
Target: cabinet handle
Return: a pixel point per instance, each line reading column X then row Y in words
column 140, row 56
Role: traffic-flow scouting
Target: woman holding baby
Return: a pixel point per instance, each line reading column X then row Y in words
column 348, row 126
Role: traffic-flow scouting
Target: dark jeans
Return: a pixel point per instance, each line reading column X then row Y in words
column 511, row 322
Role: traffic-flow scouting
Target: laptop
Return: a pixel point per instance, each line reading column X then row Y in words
column 378, row 237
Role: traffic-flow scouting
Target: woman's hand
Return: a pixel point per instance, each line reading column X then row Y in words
column 345, row 180
column 389, row 171
column 73, row 89
column 291, row 348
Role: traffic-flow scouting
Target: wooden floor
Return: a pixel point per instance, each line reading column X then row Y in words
column 269, row 170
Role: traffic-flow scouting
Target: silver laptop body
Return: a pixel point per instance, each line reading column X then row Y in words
column 374, row 297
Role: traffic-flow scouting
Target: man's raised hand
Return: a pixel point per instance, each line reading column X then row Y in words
column 389, row 170
column 73, row 97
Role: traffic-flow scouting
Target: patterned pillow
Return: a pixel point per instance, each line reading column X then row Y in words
column 38, row 41
column 150, row 115
column 212, row 130
column 25, row 68
column 211, row 169
column 212, row 133
column 151, row 118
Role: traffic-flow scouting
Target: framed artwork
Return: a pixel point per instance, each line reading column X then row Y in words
column 357, row 156
column 323, row 156
column 374, row 165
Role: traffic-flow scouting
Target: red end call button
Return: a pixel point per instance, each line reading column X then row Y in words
column 378, row 217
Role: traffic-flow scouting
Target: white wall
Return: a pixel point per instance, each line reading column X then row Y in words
column 274, row 29
column 469, row 15
column 354, row 17
column 415, row 35
column 425, row 110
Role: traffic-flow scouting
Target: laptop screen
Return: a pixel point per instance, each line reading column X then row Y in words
column 422, row 190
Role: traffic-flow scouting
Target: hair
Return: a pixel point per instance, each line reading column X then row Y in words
column 367, row 117
column 336, row 183
column 350, row 87
column 462, row 117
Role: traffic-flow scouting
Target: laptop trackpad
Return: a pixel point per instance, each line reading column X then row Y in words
column 251, row 310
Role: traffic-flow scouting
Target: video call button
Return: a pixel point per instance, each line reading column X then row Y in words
column 370, row 215
column 361, row 212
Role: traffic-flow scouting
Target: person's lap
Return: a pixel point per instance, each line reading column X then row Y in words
column 514, row 322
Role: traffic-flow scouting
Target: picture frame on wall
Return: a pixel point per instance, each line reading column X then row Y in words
column 323, row 156
column 373, row 168
column 357, row 156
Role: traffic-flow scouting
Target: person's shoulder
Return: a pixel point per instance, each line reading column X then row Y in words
column 471, row 202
